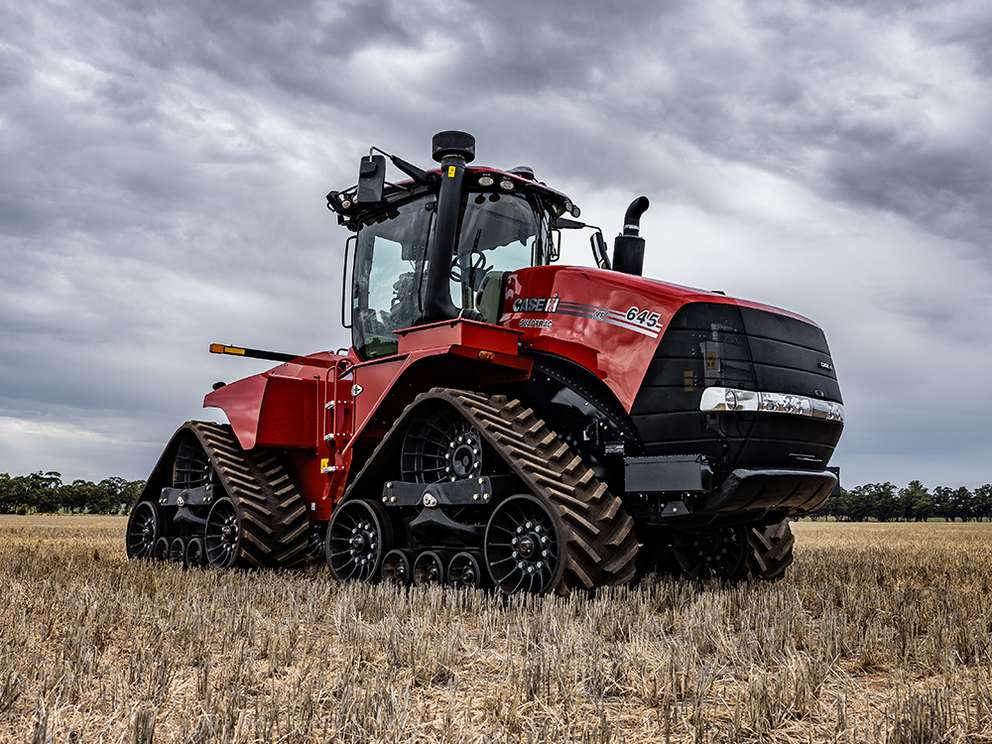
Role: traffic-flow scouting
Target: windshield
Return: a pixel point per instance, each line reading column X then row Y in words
column 499, row 232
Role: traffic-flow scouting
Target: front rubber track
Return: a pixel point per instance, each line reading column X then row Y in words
column 598, row 540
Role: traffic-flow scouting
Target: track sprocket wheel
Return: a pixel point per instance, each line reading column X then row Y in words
column 358, row 537
column 441, row 446
column 144, row 527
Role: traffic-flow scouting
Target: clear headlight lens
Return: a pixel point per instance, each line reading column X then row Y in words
column 717, row 399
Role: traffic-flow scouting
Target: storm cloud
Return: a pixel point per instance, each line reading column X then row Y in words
column 162, row 171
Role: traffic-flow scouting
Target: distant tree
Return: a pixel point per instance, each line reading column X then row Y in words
column 45, row 492
column 880, row 501
column 858, row 504
column 983, row 501
column 943, row 503
column 964, row 504
column 916, row 502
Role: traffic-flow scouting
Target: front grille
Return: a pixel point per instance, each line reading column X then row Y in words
column 710, row 344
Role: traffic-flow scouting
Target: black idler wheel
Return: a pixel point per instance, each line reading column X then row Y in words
column 464, row 571
column 397, row 568
column 523, row 546
column 161, row 550
column 358, row 538
column 428, row 569
column 222, row 536
column 195, row 552
column 144, row 527
column 177, row 550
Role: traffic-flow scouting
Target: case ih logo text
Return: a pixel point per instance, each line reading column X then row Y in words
column 644, row 322
column 535, row 304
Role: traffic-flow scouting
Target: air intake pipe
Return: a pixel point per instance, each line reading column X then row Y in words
column 453, row 150
column 628, row 247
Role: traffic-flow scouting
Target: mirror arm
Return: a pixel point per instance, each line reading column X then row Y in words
column 599, row 254
column 417, row 174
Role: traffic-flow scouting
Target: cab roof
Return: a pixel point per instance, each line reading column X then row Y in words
column 354, row 215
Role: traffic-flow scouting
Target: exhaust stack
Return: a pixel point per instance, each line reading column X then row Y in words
column 453, row 150
column 628, row 247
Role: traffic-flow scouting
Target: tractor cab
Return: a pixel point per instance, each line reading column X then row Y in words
column 427, row 249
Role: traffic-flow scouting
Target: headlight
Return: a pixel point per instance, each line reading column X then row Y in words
column 717, row 399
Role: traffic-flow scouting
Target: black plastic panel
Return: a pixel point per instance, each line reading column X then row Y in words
column 783, row 328
column 708, row 345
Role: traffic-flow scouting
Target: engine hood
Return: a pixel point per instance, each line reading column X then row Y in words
column 609, row 322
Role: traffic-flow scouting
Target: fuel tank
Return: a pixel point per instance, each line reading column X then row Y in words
column 660, row 347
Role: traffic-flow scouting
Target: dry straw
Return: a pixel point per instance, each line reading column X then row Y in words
column 879, row 633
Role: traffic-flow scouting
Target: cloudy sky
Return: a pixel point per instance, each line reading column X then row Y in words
column 163, row 166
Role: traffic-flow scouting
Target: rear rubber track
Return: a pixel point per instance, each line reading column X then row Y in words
column 600, row 545
column 769, row 551
column 274, row 524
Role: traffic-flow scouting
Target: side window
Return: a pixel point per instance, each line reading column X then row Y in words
column 389, row 260
column 393, row 286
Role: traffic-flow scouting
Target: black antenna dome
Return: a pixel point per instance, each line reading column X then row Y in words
column 453, row 143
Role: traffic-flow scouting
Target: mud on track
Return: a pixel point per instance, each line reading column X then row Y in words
column 879, row 632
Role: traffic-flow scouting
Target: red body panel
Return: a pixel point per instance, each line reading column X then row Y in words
column 617, row 352
column 321, row 408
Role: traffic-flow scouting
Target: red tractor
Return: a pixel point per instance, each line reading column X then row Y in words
column 502, row 420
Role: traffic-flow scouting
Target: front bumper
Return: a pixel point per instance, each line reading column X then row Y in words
column 679, row 487
column 794, row 492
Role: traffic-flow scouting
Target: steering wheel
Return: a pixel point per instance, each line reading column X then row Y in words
column 478, row 266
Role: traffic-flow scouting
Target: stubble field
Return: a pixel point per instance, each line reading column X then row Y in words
column 879, row 633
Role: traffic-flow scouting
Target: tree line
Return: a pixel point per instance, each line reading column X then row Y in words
column 915, row 502
column 45, row 492
column 884, row 502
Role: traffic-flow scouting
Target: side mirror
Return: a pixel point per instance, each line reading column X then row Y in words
column 371, row 179
column 599, row 249
column 555, row 248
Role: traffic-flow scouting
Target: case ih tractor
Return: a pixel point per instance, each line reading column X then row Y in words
column 500, row 419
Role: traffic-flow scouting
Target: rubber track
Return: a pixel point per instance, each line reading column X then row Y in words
column 770, row 551
column 274, row 524
column 600, row 546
